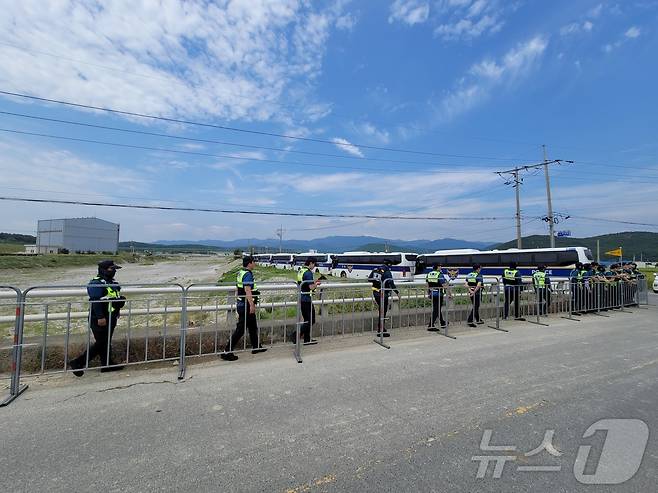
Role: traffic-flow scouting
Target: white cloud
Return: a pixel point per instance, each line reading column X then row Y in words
column 371, row 132
column 346, row 22
column 577, row 27
column 484, row 76
column 595, row 11
column 347, row 146
column 234, row 60
column 469, row 19
column 633, row 32
column 409, row 11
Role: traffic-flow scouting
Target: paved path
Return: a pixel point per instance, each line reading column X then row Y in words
column 353, row 417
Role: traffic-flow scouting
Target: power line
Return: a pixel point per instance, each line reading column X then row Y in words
column 612, row 220
column 206, row 154
column 249, row 212
column 223, row 127
column 248, row 146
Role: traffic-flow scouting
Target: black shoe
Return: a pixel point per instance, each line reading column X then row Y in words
column 228, row 357
column 444, row 325
column 472, row 325
column 257, row 350
column 386, row 334
column 311, row 342
column 431, row 328
column 75, row 366
column 480, row 322
column 112, row 368
column 520, row 319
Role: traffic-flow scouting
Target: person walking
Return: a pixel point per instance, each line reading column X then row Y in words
column 382, row 285
column 247, row 299
column 436, row 284
column 105, row 304
column 307, row 284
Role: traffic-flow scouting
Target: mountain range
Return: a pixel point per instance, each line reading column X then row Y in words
column 331, row 244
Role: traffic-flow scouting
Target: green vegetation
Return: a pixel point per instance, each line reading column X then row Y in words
column 154, row 247
column 11, row 248
column 16, row 238
column 71, row 260
column 634, row 244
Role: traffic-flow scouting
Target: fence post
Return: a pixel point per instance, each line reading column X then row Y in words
column 15, row 387
column 298, row 343
column 183, row 335
column 571, row 293
column 497, row 326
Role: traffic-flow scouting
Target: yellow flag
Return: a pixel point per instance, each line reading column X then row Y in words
column 614, row 253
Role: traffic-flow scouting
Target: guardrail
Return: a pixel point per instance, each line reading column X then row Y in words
column 49, row 325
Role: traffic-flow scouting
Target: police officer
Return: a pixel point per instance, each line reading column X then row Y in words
column 475, row 281
column 512, row 282
column 105, row 303
column 576, row 284
column 247, row 298
column 542, row 285
column 306, row 283
column 382, row 285
column 436, row 283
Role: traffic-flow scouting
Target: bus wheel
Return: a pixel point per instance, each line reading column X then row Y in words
column 343, row 274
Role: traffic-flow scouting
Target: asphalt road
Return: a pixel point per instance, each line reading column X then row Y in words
column 352, row 417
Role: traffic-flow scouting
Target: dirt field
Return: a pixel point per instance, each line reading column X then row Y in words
column 186, row 270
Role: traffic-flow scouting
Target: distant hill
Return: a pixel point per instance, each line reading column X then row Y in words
column 16, row 238
column 634, row 244
column 336, row 244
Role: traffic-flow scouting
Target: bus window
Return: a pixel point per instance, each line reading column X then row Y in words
column 487, row 259
column 458, row 261
column 546, row 258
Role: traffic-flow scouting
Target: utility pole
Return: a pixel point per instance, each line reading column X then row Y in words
column 551, row 219
column 279, row 233
column 516, row 182
column 517, row 186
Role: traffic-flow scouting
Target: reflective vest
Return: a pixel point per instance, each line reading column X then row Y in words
column 110, row 293
column 240, row 284
column 471, row 278
column 510, row 275
column 434, row 279
column 581, row 275
column 375, row 278
column 539, row 279
column 300, row 274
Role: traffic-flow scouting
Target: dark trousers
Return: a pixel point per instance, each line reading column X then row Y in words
column 102, row 345
column 308, row 314
column 248, row 320
column 474, row 314
column 382, row 309
column 542, row 300
column 512, row 293
column 437, row 304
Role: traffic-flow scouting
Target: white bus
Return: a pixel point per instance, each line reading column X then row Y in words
column 559, row 262
column 323, row 265
column 281, row 260
column 358, row 265
column 263, row 259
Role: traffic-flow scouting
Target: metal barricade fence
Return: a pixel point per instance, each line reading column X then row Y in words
column 212, row 317
column 56, row 328
column 11, row 342
column 643, row 291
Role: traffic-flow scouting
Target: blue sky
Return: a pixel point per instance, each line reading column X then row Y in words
column 476, row 85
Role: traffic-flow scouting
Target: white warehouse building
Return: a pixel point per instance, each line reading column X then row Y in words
column 81, row 234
